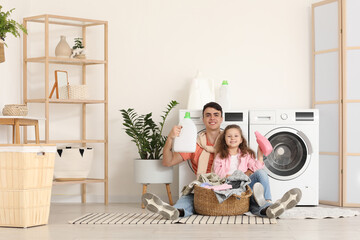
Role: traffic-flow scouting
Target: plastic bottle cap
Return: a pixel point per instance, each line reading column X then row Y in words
column 225, row 82
column 187, row 115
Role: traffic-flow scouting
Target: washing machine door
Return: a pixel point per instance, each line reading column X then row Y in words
column 291, row 155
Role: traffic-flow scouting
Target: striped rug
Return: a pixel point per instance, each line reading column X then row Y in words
column 151, row 218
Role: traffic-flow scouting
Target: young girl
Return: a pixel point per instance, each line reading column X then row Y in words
column 233, row 154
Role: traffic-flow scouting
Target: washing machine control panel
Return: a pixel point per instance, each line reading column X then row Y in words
column 284, row 116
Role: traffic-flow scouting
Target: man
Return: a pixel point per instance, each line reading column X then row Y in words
column 201, row 162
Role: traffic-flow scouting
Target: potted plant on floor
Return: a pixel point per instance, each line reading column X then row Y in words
column 147, row 136
column 8, row 26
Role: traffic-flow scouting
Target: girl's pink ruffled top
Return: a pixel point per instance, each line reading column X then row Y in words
column 222, row 166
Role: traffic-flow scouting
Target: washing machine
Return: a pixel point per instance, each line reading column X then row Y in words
column 239, row 117
column 294, row 161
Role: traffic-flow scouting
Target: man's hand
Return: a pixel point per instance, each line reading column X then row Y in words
column 171, row 158
column 175, row 132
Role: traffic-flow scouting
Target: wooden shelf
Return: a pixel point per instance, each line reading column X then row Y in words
column 88, row 180
column 46, row 59
column 65, row 101
column 64, row 20
column 62, row 60
column 71, row 141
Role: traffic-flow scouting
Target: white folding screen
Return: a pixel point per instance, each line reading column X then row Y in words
column 327, row 73
column 351, row 101
column 336, row 75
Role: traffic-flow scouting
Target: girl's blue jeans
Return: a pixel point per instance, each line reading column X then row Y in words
column 261, row 177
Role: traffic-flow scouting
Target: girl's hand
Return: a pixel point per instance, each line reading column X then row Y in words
column 175, row 132
column 260, row 155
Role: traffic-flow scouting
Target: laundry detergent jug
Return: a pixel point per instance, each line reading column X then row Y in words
column 186, row 141
column 201, row 92
column 224, row 96
column 264, row 144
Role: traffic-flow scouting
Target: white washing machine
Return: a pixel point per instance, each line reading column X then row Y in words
column 294, row 162
column 240, row 117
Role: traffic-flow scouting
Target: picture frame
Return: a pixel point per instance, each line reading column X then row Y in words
column 61, row 80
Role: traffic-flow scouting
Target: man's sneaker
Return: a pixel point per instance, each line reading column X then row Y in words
column 289, row 200
column 258, row 190
column 154, row 204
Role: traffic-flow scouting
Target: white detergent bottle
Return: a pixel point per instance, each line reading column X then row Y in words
column 224, row 96
column 186, row 141
column 201, row 92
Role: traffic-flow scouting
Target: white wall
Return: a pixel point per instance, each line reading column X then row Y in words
column 11, row 69
column 156, row 47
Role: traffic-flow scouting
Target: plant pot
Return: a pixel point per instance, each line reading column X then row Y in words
column 2, row 52
column 80, row 56
column 148, row 171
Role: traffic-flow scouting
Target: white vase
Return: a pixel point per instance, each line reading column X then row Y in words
column 63, row 49
column 152, row 171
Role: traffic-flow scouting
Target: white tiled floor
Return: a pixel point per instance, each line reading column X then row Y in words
column 59, row 229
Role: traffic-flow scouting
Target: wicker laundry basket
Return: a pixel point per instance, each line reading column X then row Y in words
column 206, row 203
column 26, row 173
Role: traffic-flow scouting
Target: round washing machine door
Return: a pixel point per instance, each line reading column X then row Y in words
column 291, row 155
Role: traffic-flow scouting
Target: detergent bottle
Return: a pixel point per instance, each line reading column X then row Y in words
column 201, row 92
column 224, row 96
column 264, row 144
column 186, row 141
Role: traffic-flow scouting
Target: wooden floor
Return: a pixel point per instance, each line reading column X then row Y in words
column 59, row 229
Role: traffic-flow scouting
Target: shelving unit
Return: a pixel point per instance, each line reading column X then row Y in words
column 46, row 59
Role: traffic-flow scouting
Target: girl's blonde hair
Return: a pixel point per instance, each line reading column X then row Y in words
column 223, row 150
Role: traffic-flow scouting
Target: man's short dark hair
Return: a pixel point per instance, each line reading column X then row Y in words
column 213, row 105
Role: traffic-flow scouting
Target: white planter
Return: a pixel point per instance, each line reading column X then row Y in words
column 152, row 171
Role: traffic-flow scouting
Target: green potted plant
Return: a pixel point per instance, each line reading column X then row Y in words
column 78, row 50
column 8, row 25
column 147, row 135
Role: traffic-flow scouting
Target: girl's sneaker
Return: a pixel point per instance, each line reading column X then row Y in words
column 154, row 204
column 258, row 190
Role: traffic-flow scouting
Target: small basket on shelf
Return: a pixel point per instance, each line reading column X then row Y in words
column 206, row 203
column 74, row 92
column 15, row 110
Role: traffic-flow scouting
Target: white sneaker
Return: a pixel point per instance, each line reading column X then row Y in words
column 259, row 197
column 289, row 200
column 154, row 204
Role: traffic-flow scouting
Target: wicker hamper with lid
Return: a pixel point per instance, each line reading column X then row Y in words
column 26, row 174
column 206, row 203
